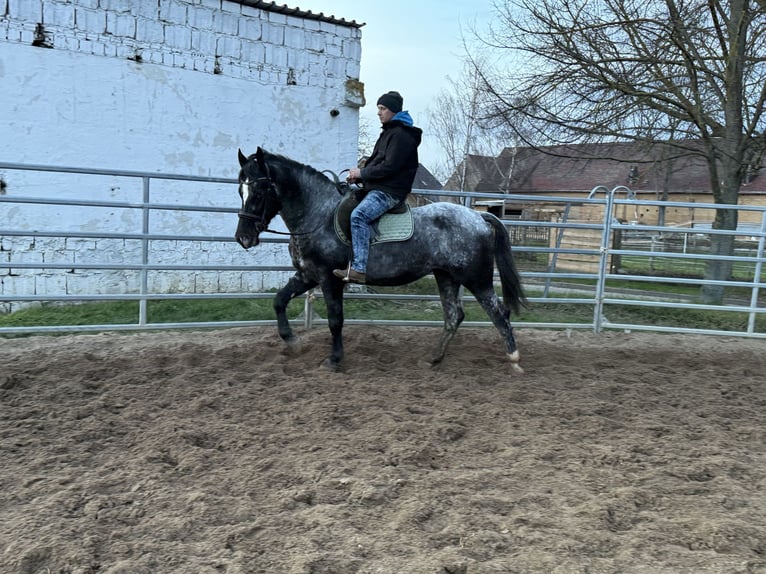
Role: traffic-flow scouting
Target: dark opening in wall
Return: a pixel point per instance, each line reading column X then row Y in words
column 41, row 40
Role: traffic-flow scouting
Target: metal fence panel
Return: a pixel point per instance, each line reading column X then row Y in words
column 556, row 270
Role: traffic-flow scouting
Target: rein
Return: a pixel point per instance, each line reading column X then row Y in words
column 258, row 218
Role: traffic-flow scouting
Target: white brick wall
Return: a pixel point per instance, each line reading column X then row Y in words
column 169, row 87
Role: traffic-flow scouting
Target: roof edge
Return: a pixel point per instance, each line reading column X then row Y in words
column 306, row 14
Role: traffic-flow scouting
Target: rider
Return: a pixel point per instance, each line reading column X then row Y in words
column 388, row 174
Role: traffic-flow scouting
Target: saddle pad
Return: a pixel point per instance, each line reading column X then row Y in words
column 390, row 227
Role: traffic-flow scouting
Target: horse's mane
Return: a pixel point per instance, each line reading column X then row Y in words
column 301, row 173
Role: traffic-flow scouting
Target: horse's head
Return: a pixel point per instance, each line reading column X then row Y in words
column 260, row 202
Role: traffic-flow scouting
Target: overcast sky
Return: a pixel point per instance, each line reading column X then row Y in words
column 410, row 46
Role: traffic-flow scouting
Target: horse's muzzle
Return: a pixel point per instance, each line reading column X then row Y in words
column 248, row 230
column 247, row 241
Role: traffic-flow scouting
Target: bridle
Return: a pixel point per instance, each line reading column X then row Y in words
column 271, row 190
column 270, row 194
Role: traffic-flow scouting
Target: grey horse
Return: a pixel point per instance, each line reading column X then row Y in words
column 458, row 245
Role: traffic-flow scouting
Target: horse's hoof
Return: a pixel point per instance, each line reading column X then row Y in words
column 436, row 359
column 515, row 366
column 331, row 365
column 293, row 346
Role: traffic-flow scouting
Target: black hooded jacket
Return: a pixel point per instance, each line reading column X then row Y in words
column 394, row 161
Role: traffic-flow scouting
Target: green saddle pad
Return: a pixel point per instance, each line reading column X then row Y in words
column 390, row 227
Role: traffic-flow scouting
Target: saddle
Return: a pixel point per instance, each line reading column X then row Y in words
column 394, row 225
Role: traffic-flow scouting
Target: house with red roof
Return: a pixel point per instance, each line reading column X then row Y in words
column 650, row 173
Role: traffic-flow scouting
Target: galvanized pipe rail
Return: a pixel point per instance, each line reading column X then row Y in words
column 601, row 299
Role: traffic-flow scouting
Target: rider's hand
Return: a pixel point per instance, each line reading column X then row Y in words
column 354, row 174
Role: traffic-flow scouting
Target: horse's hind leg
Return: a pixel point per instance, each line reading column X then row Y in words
column 449, row 293
column 500, row 317
column 295, row 287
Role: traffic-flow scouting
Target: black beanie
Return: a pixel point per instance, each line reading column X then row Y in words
column 392, row 100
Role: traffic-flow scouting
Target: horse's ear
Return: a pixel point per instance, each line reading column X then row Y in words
column 242, row 158
column 260, row 157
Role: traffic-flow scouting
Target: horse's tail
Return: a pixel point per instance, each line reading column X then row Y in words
column 510, row 280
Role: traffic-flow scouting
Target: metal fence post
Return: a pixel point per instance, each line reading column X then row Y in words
column 598, row 308
column 142, row 304
column 757, row 276
column 308, row 310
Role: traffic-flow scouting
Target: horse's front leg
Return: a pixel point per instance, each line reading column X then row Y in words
column 332, row 289
column 296, row 286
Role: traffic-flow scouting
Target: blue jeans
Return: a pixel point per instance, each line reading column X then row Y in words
column 369, row 210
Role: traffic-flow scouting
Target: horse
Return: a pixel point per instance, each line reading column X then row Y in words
column 458, row 245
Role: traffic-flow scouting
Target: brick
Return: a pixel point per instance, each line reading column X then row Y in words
column 353, row 69
column 162, row 282
column 72, row 41
column 251, row 29
column 211, row 4
column 18, row 284
column 276, row 56
column 78, row 245
column 87, row 46
column 200, row 18
column 149, row 31
column 25, row 10
column 253, row 53
column 51, row 284
column 124, row 51
column 177, row 36
column 101, row 282
column 148, row 10
column 202, row 44
column 231, row 7
column 59, row 256
column 229, row 47
column 27, row 257
column 184, row 61
column 122, row 25
column 276, row 18
column 298, row 60
column 173, row 12
column 93, row 4
column 224, row 23
column 274, row 35
column 252, row 12
column 230, row 282
column 294, row 38
column 206, row 282
column 315, row 42
column 335, row 68
column 59, row 15
column 252, row 282
column 15, row 34
column 122, row 6
column 352, row 49
column 333, row 50
column 91, row 21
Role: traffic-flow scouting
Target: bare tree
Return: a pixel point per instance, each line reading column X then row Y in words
column 590, row 70
column 366, row 140
column 456, row 123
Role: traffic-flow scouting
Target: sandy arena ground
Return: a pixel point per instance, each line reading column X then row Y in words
column 221, row 453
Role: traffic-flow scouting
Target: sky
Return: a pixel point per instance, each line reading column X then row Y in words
column 411, row 46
